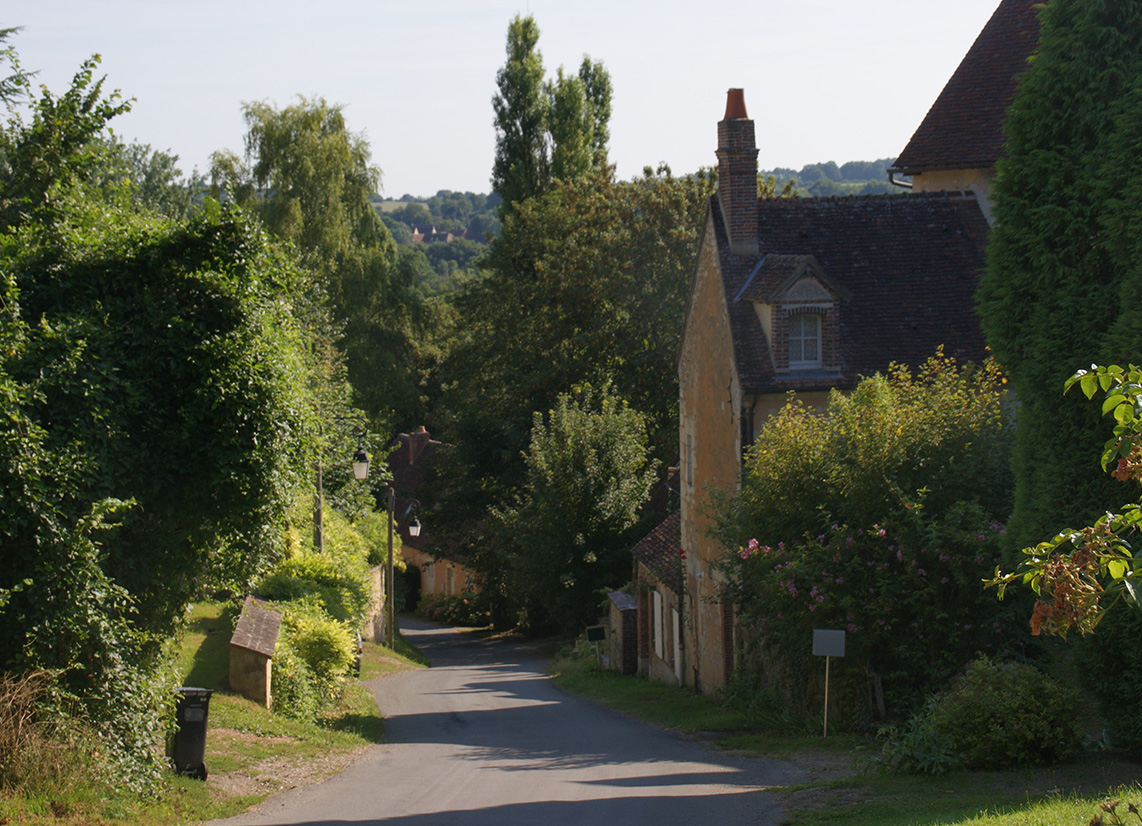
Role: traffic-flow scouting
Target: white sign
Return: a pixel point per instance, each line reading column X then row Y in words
column 828, row 643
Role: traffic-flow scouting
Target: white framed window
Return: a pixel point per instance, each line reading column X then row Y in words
column 804, row 341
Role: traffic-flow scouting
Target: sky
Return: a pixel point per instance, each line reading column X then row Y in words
column 823, row 79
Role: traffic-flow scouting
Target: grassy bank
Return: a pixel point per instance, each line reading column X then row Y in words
column 250, row 753
column 843, row 793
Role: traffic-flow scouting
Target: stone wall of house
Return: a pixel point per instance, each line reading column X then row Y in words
column 710, row 449
column 959, row 180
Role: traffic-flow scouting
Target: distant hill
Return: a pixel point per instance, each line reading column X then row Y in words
column 827, row 179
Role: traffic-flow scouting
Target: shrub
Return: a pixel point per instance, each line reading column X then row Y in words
column 326, row 646
column 915, row 747
column 467, row 609
column 879, row 516
column 907, row 590
column 1109, row 665
column 295, row 692
column 995, row 716
column 341, row 590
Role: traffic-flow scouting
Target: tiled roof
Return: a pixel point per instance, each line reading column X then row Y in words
column 908, row 266
column 774, row 273
column 964, row 127
column 658, row 551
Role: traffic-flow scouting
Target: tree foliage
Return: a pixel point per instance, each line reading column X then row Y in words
column 566, row 536
column 546, row 131
column 153, row 416
column 1063, row 277
column 45, row 158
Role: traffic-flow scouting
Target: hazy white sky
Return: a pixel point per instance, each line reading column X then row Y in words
column 823, row 79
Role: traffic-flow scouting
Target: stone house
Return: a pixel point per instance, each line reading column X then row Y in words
column 811, row 294
column 659, row 565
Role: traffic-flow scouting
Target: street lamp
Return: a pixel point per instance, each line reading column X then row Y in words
column 360, row 473
column 360, row 463
column 390, row 602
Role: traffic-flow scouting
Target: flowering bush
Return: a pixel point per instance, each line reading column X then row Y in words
column 907, row 591
column 879, row 516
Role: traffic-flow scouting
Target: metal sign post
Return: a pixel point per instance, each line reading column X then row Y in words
column 828, row 644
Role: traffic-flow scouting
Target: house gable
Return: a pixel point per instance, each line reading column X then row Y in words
column 960, row 139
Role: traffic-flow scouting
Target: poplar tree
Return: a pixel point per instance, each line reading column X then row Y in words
column 546, row 131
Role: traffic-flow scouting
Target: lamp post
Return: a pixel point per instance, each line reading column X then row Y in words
column 390, row 601
column 360, row 466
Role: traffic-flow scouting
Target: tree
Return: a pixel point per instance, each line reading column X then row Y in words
column 1063, row 276
column 585, row 283
column 60, row 148
column 521, row 116
column 550, row 131
column 310, row 181
column 568, row 532
column 15, row 86
column 155, row 181
column 157, row 387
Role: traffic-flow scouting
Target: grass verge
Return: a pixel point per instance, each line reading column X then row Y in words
column 840, row 793
column 250, row 752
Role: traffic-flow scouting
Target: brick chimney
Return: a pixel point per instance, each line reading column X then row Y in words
column 417, row 442
column 737, row 175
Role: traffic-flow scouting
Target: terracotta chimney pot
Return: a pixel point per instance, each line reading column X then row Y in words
column 735, row 105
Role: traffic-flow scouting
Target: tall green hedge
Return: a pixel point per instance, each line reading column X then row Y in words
column 1064, row 275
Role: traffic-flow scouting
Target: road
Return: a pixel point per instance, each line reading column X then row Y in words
column 483, row 738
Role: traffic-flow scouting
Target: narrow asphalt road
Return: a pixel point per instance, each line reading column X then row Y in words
column 483, row 738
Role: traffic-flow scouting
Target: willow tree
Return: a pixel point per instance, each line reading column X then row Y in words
column 310, row 180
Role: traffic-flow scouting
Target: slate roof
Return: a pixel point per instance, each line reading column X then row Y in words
column 908, row 266
column 964, row 127
column 658, row 551
column 774, row 273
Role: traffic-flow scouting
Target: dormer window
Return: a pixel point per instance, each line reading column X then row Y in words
column 804, row 341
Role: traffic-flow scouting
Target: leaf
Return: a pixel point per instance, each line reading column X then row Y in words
column 1089, row 384
column 1116, row 568
column 1112, row 401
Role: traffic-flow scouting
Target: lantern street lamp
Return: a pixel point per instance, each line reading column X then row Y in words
column 390, row 602
column 360, row 465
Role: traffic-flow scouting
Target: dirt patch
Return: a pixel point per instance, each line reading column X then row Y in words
column 824, row 768
column 278, row 773
column 248, row 737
